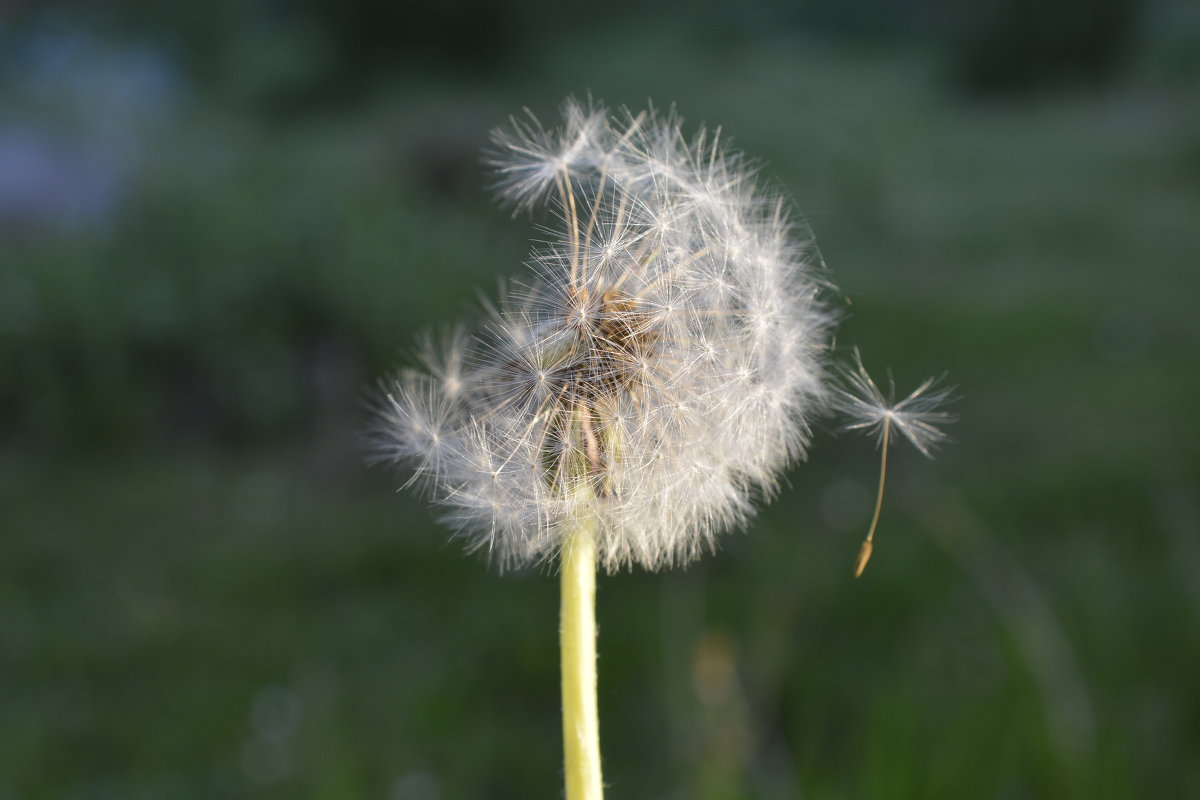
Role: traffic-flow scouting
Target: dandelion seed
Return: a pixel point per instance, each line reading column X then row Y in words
column 916, row 417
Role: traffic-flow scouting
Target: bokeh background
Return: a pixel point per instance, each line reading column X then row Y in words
column 220, row 221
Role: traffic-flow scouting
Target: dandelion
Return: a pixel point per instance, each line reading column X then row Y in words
column 655, row 372
column 632, row 396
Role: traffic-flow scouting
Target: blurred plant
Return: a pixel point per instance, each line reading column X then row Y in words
column 633, row 398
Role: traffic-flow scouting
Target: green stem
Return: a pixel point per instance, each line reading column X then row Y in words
column 577, row 632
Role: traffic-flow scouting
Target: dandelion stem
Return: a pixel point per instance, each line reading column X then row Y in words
column 864, row 552
column 577, row 635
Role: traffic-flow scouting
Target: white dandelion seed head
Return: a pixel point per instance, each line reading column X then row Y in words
column 653, row 373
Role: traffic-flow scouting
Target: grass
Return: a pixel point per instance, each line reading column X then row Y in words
column 203, row 593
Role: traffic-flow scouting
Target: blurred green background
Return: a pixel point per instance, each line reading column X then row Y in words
column 219, row 222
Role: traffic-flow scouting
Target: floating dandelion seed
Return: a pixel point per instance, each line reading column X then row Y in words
column 916, row 417
column 653, row 376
